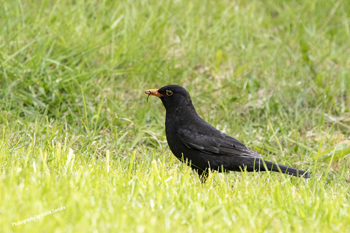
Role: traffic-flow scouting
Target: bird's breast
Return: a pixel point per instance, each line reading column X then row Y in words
column 171, row 126
column 171, row 135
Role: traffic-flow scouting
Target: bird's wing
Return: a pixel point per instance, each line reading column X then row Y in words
column 218, row 143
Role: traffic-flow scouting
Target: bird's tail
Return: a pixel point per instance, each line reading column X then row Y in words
column 264, row 165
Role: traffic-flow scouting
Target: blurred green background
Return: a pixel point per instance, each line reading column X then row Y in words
column 274, row 74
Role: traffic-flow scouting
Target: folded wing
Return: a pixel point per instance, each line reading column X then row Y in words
column 219, row 143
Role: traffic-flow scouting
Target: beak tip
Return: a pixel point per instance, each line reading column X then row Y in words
column 153, row 92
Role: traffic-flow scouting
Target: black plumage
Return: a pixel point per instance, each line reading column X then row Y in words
column 203, row 147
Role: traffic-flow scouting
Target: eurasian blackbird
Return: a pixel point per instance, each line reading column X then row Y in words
column 203, row 147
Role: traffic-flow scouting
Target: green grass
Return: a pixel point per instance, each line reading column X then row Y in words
column 76, row 130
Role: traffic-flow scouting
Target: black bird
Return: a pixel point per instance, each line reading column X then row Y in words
column 203, row 147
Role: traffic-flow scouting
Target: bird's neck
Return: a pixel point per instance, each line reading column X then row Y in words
column 182, row 115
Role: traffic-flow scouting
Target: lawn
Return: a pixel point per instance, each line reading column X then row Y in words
column 82, row 151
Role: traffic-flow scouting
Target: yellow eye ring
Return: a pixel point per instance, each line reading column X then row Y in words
column 169, row 93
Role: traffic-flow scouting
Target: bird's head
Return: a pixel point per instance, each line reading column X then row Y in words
column 172, row 96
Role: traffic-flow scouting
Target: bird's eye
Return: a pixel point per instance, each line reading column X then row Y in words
column 169, row 93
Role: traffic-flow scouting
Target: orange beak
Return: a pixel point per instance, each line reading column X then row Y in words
column 153, row 92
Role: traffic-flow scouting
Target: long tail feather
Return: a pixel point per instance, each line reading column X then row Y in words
column 270, row 166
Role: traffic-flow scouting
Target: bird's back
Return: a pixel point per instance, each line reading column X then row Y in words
column 196, row 134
